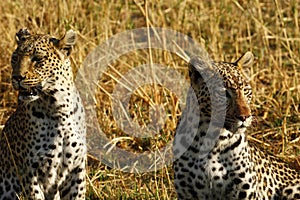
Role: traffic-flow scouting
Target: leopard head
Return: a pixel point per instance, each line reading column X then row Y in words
column 223, row 91
column 39, row 62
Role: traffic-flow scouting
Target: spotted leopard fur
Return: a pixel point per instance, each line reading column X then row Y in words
column 42, row 146
column 214, row 158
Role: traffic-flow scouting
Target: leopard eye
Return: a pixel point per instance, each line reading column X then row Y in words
column 36, row 58
column 247, row 90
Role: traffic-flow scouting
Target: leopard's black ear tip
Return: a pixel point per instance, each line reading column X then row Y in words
column 22, row 34
column 246, row 59
column 54, row 40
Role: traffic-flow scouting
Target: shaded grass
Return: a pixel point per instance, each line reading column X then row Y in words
column 270, row 29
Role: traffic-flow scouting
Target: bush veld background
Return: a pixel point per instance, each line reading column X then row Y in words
column 226, row 29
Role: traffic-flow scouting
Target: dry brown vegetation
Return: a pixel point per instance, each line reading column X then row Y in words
column 226, row 29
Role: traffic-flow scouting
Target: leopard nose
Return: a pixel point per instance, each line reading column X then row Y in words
column 18, row 78
column 242, row 117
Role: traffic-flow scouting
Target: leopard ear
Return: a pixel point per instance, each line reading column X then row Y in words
column 245, row 63
column 66, row 43
column 22, row 34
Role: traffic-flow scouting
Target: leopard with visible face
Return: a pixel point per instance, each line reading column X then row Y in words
column 214, row 158
column 42, row 146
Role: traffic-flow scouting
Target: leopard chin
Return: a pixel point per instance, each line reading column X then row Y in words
column 235, row 126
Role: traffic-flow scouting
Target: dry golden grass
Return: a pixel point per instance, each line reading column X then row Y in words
column 227, row 28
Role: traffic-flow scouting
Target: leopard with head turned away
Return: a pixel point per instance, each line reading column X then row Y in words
column 215, row 159
column 42, row 145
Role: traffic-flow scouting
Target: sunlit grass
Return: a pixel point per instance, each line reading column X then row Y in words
column 226, row 29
